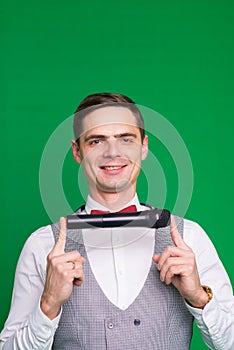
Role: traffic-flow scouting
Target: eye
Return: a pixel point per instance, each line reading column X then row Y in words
column 126, row 140
column 94, row 142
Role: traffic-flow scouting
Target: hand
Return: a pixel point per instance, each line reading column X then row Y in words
column 177, row 265
column 63, row 270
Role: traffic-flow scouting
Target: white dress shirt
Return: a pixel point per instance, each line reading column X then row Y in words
column 114, row 256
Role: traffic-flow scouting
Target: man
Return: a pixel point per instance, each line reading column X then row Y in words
column 117, row 288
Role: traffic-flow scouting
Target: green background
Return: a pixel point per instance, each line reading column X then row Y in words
column 176, row 57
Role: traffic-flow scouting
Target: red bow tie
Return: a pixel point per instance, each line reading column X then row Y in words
column 130, row 209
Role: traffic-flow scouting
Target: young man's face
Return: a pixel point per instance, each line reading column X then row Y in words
column 111, row 150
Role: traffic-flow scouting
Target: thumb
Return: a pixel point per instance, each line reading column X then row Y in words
column 156, row 258
column 61, row 241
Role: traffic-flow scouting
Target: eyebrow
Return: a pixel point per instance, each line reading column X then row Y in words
column 104, row 137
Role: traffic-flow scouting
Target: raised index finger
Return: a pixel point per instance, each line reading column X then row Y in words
column 175, row 235
column 61, row 241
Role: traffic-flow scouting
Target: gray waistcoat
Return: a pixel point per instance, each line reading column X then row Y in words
column 157, row 319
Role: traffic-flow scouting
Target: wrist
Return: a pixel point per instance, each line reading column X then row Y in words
column 202, row 299
column 50, row 309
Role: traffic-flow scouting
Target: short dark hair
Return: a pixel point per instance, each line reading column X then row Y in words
column 105, row 99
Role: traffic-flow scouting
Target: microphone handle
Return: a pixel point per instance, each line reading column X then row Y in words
column 154, row 218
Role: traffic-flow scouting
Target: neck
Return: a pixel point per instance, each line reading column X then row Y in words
column 115, row 200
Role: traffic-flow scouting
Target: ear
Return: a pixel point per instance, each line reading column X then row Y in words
column 76, row 152
column 144, row 148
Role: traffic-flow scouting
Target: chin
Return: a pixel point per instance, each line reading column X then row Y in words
column 116, row 187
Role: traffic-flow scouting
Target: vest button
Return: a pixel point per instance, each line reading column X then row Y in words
column 110, row 325
column 137, row 322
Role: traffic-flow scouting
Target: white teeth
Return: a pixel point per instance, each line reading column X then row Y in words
column 112, row 167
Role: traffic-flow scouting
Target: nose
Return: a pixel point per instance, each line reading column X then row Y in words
column 112, row 149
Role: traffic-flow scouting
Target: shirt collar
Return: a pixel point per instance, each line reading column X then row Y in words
column 92, row 204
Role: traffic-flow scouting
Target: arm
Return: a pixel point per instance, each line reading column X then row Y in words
column 189, row 266
column 27, row 327
column 38, row 295
column 216, row 320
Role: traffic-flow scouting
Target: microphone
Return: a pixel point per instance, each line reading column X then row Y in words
column 153, row 218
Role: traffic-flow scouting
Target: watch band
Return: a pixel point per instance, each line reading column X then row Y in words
column 209, row 292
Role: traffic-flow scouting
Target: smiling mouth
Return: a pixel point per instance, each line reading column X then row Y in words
column 112, row 167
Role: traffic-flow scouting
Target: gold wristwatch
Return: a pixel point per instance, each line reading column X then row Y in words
column 209, row 292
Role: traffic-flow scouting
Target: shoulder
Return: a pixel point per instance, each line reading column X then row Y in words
column 197, row 238
column 35, row 251
column 210, row 267
column 42, row 238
